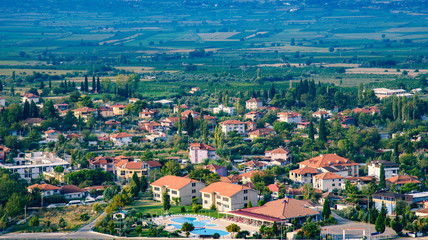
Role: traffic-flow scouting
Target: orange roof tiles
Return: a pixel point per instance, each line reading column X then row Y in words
column 173, row 182
column 231, row 122
column 327, row 176
column 327, row 160
column 224, row 188
column 278, row 210
column 305, row 170
column 121, row 135
column 403, row 179
column 43, row 187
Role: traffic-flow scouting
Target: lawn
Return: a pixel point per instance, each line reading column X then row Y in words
column 146, row 205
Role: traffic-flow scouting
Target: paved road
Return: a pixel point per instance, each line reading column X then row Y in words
column 337, row 230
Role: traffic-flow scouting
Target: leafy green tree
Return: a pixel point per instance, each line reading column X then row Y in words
column 396, row 224
column 310, row 229
column 196, row 208
column 110, row 226
column 97, row 208
column 4, row 222
column 171, row 168
column 15, row 204
column 326, row 212
column 59, row 169
column 34, row 222
column 69, row 120
column 187, row 228
column 166, row 201
column 275, row 229
column 233, row 228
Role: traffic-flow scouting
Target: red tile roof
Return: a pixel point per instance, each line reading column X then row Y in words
column 134, row 165
column 173, row 182
column 273, row 188
column 231, row 122
column 403, row 179
column 327, row 160
column 121, row 135
column 153, row 164
column 305, row 170
column 202, row 146
column 280, row 151
column 43, row 187
column 327, row 176
column 224, row 188
column 253, row 100
column 279, row 210
column 70, row 189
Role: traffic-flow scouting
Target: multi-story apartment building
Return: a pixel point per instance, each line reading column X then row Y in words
column 177, row 187
column 232, row 125
column 253, row 103
column 227, row 196
column 201, row 151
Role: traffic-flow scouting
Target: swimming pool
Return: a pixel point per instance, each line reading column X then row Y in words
column 200, row 226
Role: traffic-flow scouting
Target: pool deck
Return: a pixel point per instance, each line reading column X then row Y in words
column 221, row 224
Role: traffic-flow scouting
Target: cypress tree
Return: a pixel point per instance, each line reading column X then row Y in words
column 380, row 220
column 86, row 88
column 42, row 84
column 311, row 132
column 326, row 211
column 82, row 87
column 322, row 131
column 382, row 183
column 249, row 204
column 50, row 83
column 1, row 86
column 34, row 111
column 189, row 124
column 26, row 111
column 94, row 86
column 98, row 85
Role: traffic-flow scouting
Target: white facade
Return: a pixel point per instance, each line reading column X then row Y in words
column 200, row 152
column 328, row 184
column 34, row 164
column 2, row 102
column 221, row 107
column 253, row 104
column 390, row 171
column 230, row 127
column 289, row 117
column 118, row 142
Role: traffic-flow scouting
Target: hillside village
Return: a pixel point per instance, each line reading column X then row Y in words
column 279, row 163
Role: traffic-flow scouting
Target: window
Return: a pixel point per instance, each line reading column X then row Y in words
column 206, row 195
column 245, row 191
column 193, row 191
column 245, row 198
column 174, row 192
column 157, row 189
column 218, row 197
column 226, row 199
column 206, row 202
column 193, row 184
column 333, row 184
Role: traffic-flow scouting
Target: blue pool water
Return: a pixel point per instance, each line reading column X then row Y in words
column 199, row 226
